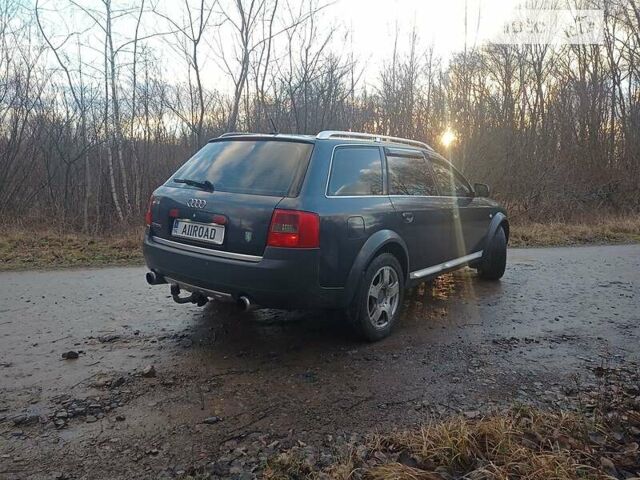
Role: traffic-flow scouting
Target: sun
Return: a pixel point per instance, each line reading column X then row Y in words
column 447, row 137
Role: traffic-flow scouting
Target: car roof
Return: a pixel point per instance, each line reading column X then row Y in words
column 330, row 135
column 265, row 136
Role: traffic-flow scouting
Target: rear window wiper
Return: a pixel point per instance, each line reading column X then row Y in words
column 204, row 184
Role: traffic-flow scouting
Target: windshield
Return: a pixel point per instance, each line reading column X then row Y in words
column 257, row 167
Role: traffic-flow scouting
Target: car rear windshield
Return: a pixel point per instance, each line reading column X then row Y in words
column 256, row 167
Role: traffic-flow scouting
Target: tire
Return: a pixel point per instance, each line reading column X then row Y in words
column 378, row 300
column 494, row 258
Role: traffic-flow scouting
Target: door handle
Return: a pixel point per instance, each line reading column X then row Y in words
column 407, row 216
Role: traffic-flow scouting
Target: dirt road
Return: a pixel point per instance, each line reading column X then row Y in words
column 229, row 389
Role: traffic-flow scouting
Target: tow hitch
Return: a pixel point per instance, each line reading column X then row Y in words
column 195, row 297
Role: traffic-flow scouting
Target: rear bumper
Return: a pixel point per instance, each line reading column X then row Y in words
column 282, row 278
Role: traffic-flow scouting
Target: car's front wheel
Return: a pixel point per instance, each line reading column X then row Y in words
column 378, row 301
column 494, row 258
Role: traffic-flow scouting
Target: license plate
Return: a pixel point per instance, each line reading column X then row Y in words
column 202, row 232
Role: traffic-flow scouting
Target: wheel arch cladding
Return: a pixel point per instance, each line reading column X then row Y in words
column 397, row 251
column 380, row 242
column 505, row 226
column 499, row 219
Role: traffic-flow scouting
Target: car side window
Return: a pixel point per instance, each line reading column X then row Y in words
column 356, row 171
column 450, row 183
column 410, row 175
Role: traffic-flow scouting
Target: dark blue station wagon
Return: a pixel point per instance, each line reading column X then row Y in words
column 342, row 220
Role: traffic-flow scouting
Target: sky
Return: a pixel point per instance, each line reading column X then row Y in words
column 439, row 24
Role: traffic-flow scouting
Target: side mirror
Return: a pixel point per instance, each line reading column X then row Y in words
column 481, row 189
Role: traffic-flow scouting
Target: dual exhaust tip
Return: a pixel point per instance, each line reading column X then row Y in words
column 154, row 278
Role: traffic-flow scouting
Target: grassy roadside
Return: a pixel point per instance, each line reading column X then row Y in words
column 592, row 434
column 24, row 250
column 32, row 249
column 523, row 443
column 596, row 231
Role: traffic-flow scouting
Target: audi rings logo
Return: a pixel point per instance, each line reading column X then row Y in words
column 196, row 203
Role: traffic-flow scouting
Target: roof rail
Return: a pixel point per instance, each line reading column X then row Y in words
column 326, row 134
column 276, row 136
column 234, row 134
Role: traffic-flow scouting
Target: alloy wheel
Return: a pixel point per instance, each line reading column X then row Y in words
column 383, row 297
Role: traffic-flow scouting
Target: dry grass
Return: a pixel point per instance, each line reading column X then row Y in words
column 20, row 250
column 521, row 444
column 28, row 248
column 591, row 231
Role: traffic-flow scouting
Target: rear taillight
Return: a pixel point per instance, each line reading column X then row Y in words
column 148, row 217
column 294, row 229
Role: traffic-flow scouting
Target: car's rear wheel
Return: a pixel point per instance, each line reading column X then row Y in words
column 494, row 258
column 378, row 301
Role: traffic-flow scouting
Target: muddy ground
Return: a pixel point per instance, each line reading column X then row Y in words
column 229, row 389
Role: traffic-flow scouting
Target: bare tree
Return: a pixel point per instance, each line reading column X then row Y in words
column 91, row 123
column 190, row 34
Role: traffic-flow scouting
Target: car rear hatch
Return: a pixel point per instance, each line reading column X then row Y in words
column 233, row 186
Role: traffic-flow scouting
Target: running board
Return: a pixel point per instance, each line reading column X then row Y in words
column 445, row 266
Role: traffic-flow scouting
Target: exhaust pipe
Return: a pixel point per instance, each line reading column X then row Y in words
column 154, row 278
column 245, row 304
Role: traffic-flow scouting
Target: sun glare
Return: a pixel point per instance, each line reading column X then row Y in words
column 447, row 137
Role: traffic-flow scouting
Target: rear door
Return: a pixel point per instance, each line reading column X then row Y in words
column 469, row 217
column 421, row 216
column 250, row 176
column 356, row 208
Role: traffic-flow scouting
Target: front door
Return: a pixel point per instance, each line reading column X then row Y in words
column 420, row 215
column 469, row 217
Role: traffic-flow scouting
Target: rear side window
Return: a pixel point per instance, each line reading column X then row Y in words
column 356, row 171
column 450, row 182
column 256, row 167
column 410, row 176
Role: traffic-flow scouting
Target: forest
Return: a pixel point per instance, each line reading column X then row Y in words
column 92, row 119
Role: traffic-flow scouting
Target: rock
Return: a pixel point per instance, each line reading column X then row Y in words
column 120, row 418
column 309, row 377
column 471, row 414
column 443, row 472
column 110, row 337
column 79, row 410
column 149, row 371
column 220, row 469
column 118, row 382
column 70, row 355
column 24, row 419
column 405, row 458
column 631, row 448
column 102, row 381
column 608, row 466
column 91, row 419
column 597, row 438
column 212, row 420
